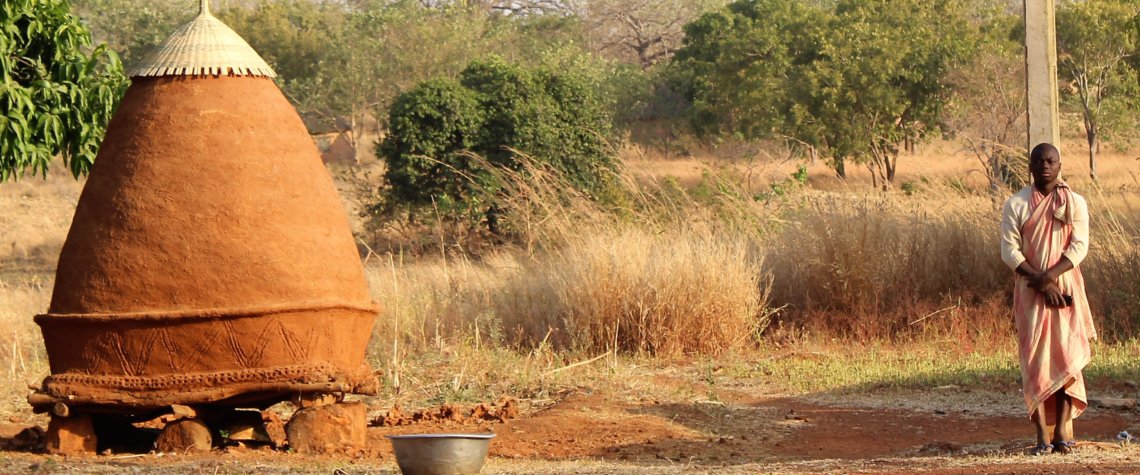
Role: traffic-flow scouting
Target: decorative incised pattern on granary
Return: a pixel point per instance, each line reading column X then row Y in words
column 147, row 347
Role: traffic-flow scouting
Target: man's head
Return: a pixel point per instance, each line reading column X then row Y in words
column 1045, row 164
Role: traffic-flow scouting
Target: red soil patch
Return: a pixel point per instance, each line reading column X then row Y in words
column 854, row 433
column 599, row 425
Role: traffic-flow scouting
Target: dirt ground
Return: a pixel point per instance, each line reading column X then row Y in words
column 945, row 430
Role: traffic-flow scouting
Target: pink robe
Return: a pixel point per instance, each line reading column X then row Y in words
column 1053, row 343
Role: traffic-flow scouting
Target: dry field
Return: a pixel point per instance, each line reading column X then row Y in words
column 713, row 325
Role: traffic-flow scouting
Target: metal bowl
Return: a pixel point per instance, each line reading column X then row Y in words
column 440, row 454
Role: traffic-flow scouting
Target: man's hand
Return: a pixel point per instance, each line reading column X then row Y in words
column 1040, row 280
column 1031, row 274
column 1054, row 297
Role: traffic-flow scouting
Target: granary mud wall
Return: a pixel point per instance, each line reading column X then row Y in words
column 209, row 255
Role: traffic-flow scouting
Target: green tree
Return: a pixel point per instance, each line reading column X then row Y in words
column 854, row 81
column 497, row 110
column 735, row 62
column 883, row 81
column 58, row 93
column 345, row 62
column 1095, row 41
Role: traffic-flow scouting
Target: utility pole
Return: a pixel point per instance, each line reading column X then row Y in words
column 1041, row 72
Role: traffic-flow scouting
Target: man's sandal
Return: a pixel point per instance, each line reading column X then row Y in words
column 1064, row 447
column 1041, row 449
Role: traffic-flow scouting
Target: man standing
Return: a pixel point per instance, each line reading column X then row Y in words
column 1044, row 237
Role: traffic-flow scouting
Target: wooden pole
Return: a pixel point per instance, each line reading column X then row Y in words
column 1041, row 72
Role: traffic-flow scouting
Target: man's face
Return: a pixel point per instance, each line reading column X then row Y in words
column 1047, row 168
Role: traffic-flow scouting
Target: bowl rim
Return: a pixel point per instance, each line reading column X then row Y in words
column 441, row 436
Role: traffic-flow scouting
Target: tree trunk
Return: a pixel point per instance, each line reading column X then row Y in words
column 353, row 137
column 996, row 172
column 840, row 170
column 1090, row 125
column 1093, row 145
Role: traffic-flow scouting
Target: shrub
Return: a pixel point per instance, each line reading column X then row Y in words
column 497, row 111
column 430, row 127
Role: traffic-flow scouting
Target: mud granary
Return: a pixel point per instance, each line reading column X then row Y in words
column 210, row 264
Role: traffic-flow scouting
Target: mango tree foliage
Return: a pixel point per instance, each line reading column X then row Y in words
column 1096, row 39
column 57, row 92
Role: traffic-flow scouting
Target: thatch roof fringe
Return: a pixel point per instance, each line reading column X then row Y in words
column 204, row 46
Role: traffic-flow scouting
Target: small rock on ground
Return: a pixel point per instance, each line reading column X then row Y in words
column 186, row 435
column 1113, row 403
column 70, row 435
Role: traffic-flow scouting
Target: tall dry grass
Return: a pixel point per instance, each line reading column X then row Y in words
column 873, row 265
column 621, row 289
column 639, row 275
column 672, row 269
column 22, row 356
column 1112, row 268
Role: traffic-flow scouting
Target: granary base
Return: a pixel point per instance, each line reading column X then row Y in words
column 251, row 356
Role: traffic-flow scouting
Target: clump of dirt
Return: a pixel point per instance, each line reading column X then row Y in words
column 504, row 409
column 21, row 437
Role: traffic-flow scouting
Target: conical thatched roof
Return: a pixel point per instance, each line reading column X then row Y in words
column 205, row 46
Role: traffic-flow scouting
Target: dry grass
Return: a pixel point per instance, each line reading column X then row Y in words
column 872, row 264
column 619, row 289
column 37, row 214
column 22, row 356
column 1112, row 269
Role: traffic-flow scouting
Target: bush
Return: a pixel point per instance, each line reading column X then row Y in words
column 429, row 129
column 443, row 135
